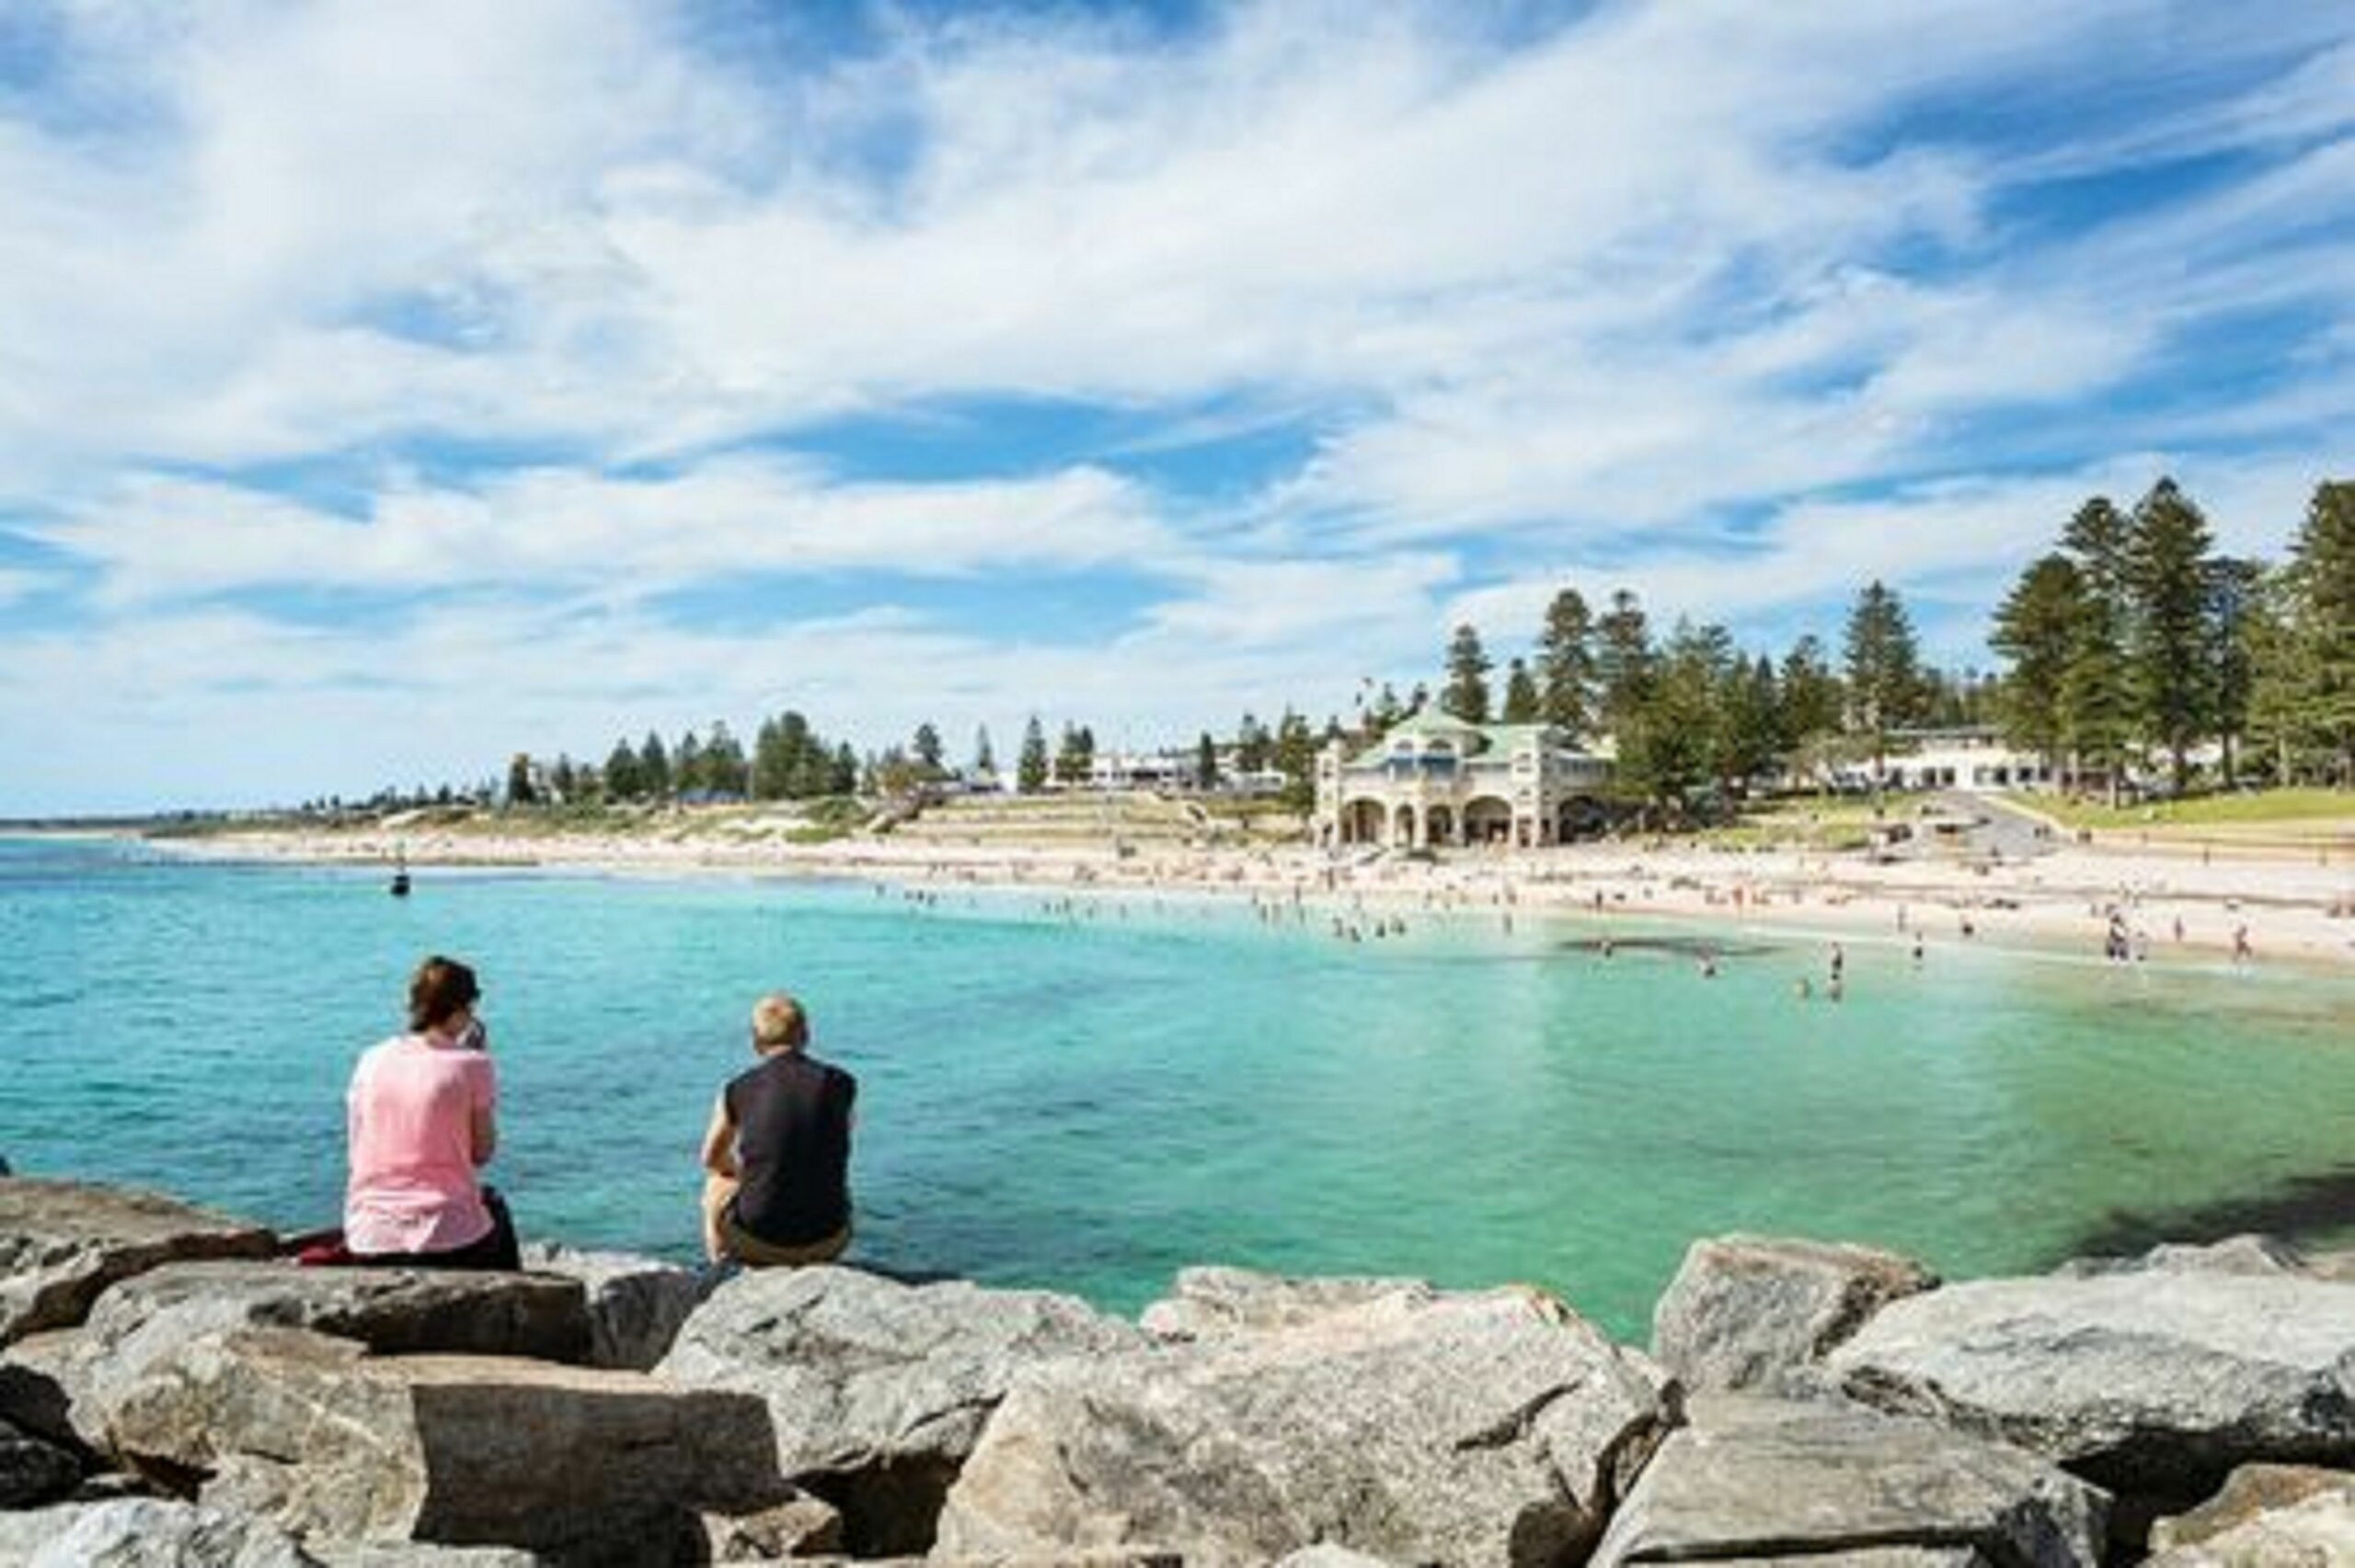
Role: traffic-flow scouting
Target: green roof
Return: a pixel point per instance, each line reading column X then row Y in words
column 1437, row 725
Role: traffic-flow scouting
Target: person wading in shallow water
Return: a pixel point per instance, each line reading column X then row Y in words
column 776, row 1157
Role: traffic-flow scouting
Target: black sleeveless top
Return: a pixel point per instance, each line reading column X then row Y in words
column 792, row 1117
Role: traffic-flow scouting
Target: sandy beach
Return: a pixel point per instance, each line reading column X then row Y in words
column 2292, row 908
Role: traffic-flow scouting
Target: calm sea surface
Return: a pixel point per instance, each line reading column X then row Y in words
column 1090, row 1103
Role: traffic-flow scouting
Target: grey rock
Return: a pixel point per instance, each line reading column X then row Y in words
column 635, row 1304
column 1753, row 1312
column 878, row 1390
column 2234, row 1254
column 414, row 1554
column 62, row 1243
column 33, row 1472
column 1328, row 1556
column 38, row 1375
column 2248, row 1491
column 1495, row 1427
column 464, row 1450
column 396, row 1312
column 1751, row 1479
column 2318, row 1532
column 1209, row 1301
column 2154, row 1390
column 144, row 1322
column 802, row 1525
column 2339, row 1265
column 141, row 1532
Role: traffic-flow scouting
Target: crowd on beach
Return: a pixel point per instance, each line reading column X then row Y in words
column 2212, row 905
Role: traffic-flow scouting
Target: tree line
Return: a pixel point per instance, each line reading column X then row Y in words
column 2133, row 638
column 789, row 761
column 2135, row 634
column 1692, row 714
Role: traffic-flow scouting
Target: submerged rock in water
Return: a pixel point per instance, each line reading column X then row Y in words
column 1752, row 1480
column 879, row 1390
column 1496, row 1427
column 2146, row 1389
column 1753, row 1313
column 326, row 1440
column 62, row 1243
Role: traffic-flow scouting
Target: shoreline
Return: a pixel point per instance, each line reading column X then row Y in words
column 2059, row 902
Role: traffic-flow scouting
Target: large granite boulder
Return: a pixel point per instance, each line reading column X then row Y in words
column 1753, row 1313
column 33, row 1469
column 1495, row 1427
column 63, row 1379
column 143, row 1532
column 2252, row 1490
column 1751, row 1479
column 878, row 1390
column 1205, row 1302
column 635, row 1304
column 395, row 1311
column 329, row 1441
column 62, row 1243
column 2318, row 1532
column 2234, row 1254
column 2149, row 1389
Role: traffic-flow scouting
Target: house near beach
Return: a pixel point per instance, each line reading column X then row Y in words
column 1434, row 780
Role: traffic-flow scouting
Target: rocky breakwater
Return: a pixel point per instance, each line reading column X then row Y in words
column 1801, row 1400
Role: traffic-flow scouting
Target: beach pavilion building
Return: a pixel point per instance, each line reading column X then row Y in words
column 1435, row 780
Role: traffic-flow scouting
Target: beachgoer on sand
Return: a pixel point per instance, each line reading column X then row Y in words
column 422, row 1114
column 777, row 1156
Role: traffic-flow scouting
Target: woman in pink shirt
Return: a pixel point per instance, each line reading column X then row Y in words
column 422, row 1111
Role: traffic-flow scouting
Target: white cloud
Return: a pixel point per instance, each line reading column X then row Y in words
column 566, row 530
column 1597, row 295
column 1954, row 543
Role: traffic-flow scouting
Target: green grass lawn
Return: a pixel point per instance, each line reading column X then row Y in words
column 1832, row 823
column 2300, row 809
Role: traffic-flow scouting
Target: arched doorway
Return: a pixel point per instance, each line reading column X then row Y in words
column 1402, row 827
column 1438, row 825
column 1487, row 820
column 1361, row 822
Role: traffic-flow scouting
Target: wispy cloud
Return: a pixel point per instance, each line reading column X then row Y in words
column 492, row 308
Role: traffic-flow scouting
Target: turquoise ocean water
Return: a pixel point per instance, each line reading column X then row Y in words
column 1088, row 1104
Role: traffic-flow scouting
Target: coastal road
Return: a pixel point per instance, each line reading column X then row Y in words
column 2003, row 829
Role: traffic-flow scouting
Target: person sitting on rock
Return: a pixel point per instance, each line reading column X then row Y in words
column 776, row 1157
column 423, row 1112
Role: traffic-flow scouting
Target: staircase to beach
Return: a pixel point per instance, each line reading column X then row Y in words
column 1138, row 819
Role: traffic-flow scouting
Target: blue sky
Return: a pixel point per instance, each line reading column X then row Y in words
column 383, row 389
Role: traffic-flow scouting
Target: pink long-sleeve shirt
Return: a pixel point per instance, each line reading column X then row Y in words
column 410, row 1109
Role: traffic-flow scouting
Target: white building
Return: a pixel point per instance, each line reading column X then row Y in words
column 1140, row 769
column 1436, row 780
column 1973, row 759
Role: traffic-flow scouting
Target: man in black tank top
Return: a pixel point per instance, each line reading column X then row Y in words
column 777, row 1192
